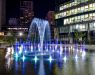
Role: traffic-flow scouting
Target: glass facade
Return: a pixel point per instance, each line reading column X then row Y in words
column 68, row 5
column 79, row 27
column 71, row 28
column 92, row 26
column 78, row 10
column 80, row 18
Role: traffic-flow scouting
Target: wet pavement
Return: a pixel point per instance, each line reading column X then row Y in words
column 72, row 65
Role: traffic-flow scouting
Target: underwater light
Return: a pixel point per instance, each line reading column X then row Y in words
column 53, row 50
column 25, row 51
column 20, row 51
column 65, row 58
column 50, row 59
column 16, row 55
column 83, row 53
column 35, row 59
column 76, row 58
column 23, row 58
column 31, row 48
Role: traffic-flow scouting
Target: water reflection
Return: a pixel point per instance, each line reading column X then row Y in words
column 9, row 58
column 66, row 65
column 9, row 62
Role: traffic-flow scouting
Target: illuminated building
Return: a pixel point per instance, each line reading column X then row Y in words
column 26, row 13
column 76, row 15
column 22, row 23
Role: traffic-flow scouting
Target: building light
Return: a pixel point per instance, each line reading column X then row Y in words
column 1, row 33
column 20, row 34
column 21, row 17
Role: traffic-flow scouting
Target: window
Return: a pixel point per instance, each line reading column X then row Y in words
column 82, row 17
column 70, row 20
column 93, row 16
column 82, row 9
column 67, row 13
column 86, row 8
column 90, row 7
column 94, row 24
column 65, row 6
column 72, row 4
column 64, row 13
column 90, row 16
column 65, row 21
column 79, row 9
column 72, row 11
column 76, row 19
column 76, row 11
column 93, row 6
column 86, row 17
column 61, row 8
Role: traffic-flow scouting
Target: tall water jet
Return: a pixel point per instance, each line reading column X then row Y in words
column 42, row 26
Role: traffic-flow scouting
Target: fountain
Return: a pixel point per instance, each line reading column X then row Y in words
column 44, row 33
column 43, row 30
column 43, row 46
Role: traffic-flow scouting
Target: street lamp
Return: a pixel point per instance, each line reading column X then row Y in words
column 20, row 34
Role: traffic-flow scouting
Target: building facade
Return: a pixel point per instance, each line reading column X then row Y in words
column 22, row 23
column 75, row 15
column 26, row 13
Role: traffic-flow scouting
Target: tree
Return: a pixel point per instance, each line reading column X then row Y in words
column 78, row 36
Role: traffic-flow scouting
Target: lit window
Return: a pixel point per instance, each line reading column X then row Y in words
column 69, row 4
column 93, row 16
column 64, row 13
column 77, row 26
column 94, row 24
column 82, row 9
column 82, row 17
column 86, row 8
column 76, row 18
column 90, row 16
column 70, row 20
column 64, row 21
column 72, row 11
column 86, row 17
column 78, row 9
column 93, row 6
column 61, row 8
column 65, row 6
column 75, row 11
column 90, row 6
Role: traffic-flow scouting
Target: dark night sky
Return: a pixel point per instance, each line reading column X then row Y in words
column 41, row 7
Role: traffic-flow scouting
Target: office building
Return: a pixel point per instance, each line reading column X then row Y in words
column 75, row 15
column 26, row 13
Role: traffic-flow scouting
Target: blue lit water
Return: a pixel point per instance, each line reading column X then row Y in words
column 69, row 65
